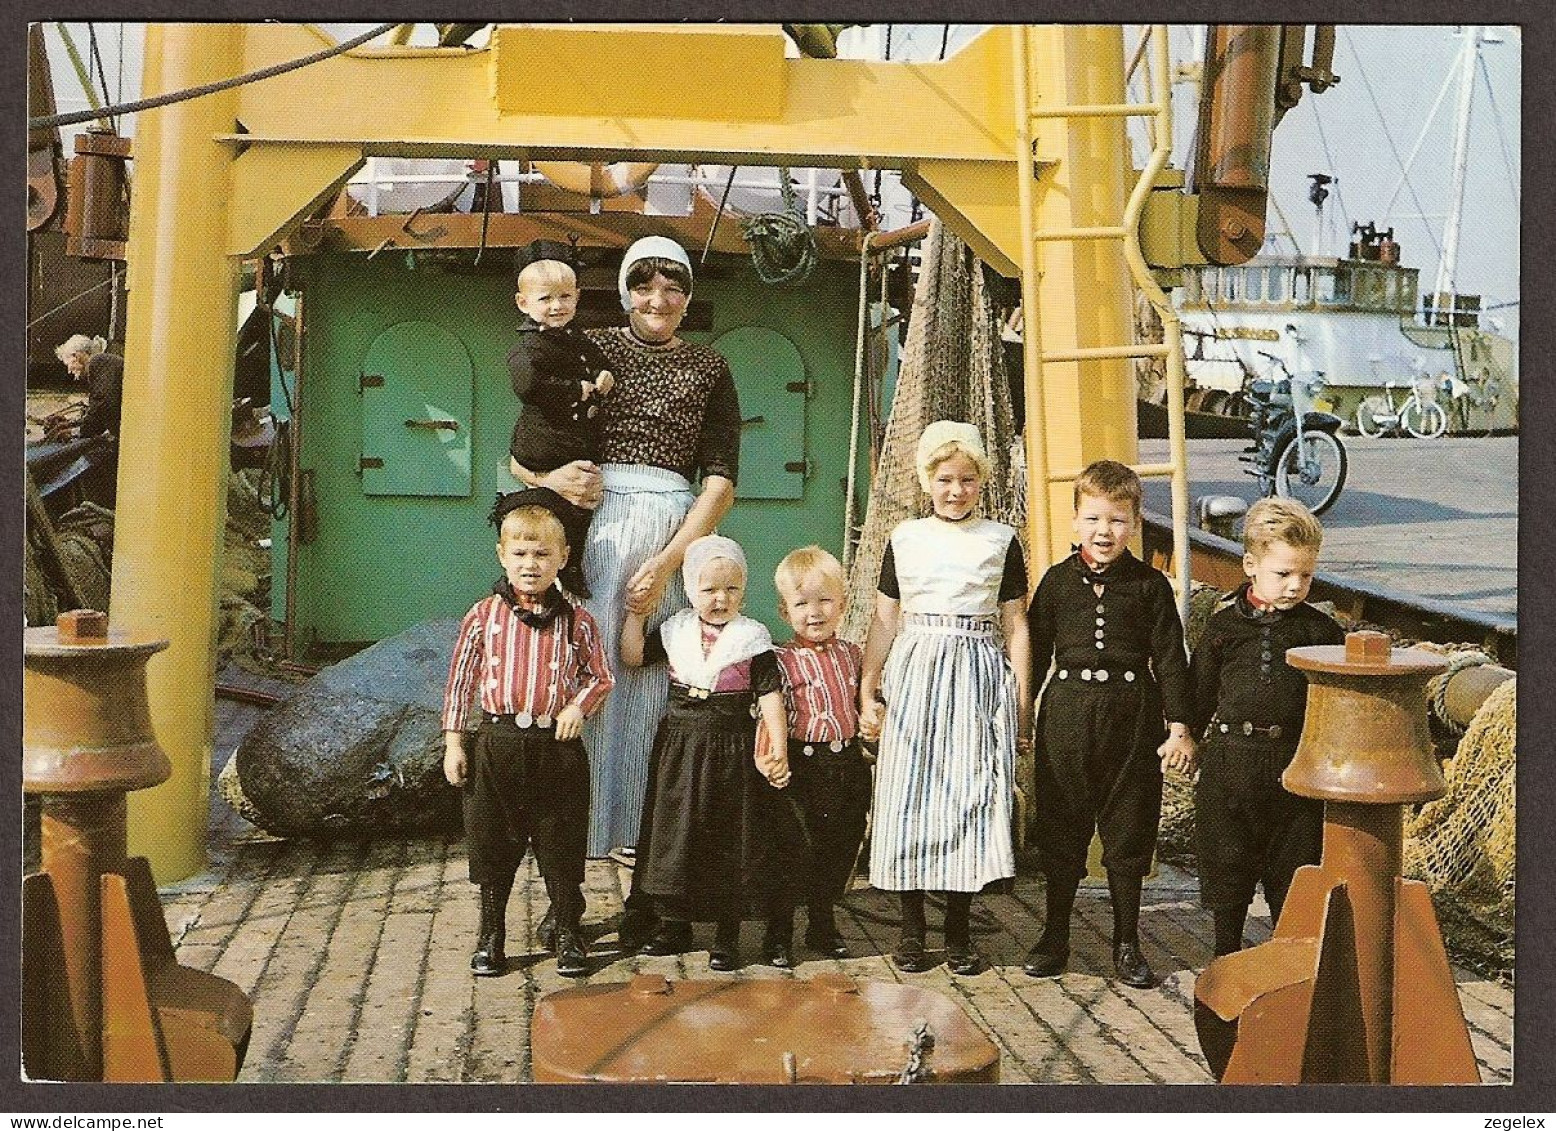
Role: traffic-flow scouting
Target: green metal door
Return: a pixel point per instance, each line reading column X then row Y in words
column 417, row 388
column 770, row 376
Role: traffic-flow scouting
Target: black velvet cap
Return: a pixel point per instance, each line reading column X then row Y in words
column 536, row 250
column 530, row 497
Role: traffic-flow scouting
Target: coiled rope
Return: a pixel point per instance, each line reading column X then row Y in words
column 783, row 248
column 1437, row 688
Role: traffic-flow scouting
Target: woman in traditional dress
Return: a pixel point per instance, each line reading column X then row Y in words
column 672, row 418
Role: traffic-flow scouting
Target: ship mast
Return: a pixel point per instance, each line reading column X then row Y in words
column 1447, row 266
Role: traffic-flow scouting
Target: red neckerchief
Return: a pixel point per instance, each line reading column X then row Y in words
column 533, row 611
column 815, row 646
column 1258, row 605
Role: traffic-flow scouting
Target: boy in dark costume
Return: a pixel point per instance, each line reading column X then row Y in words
column 534, row 664
column 1248, row 828
column 1114, row 714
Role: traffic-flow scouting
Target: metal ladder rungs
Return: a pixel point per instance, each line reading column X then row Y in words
column 1104, row 353
column 1051, row 235
column 1097, row 110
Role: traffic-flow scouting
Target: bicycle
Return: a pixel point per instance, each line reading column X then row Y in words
column 1418, row 415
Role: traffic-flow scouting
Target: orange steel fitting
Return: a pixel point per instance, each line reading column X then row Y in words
column 1355, row 986
column 825, row 1030
column 102, row 995
column 97, row 211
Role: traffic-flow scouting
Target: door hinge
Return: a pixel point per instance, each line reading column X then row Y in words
column 800, row 467
column 369, row 381
column 367, row 462
column 805, row 386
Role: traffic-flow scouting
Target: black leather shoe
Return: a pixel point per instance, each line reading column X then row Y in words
column 670, row 938
column 961, row 958
column 777, row 951
column 488, row 961
column 832, row 946
column 909, row 955
column 1041, row 964
column 636, row 928
column 1130, row 966
column 724, row 954
column 572, row 956
column 545, row 934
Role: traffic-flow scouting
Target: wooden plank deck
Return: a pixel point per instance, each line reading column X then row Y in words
column 355, row 954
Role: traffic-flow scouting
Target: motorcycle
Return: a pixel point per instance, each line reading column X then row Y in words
column 1296, row 451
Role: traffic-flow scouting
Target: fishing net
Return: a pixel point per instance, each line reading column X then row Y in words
column 84, row 537
column 83, row 540
column 1175, row 834
column 39, row 604
column 952, row 368
column 1463, row 844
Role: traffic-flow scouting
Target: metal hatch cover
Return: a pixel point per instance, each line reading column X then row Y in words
column 833, row 1029
column 417, row 387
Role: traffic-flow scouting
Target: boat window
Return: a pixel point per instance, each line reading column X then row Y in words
column 1368, row 288
column 1391, row 282
column 1231, row 284
column 1302, row 286
column 1275, row 284
column 1407, row 293
column 1253, row 280
column 1191, row 286
column 1333, row 287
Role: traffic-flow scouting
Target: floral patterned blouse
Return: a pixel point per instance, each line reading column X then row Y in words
column 672, row 408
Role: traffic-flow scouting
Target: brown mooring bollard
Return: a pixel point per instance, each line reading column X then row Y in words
column 102, row 996
column 1355, row 986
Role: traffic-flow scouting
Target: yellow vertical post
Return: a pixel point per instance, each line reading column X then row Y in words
column 173, row 448
column 1083, row 289
column 1039, row 499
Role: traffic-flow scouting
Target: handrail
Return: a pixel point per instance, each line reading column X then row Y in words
column 1172, row 331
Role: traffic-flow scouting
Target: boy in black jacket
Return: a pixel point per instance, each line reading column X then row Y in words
column 1114, row 713
column 1248, row 828
column 560, row 376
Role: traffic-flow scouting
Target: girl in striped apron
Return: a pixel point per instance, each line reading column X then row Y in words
column 948, row 702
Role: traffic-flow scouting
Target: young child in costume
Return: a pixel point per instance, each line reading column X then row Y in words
column 818, row 821
column 535, row 663
column 560, row 376
column 1114, row 713
column 1248, row 829
column 955, row 705
column 701, row 843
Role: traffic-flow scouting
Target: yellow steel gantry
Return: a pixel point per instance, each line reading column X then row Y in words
column 1007, row 157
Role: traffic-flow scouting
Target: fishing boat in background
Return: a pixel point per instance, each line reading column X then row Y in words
column 1358, row 320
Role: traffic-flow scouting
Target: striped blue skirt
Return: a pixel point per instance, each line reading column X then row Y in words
column 640, row 512
column 943, row 783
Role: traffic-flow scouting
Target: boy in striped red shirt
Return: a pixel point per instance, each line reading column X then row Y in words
column 819, row 820
column 533, row 666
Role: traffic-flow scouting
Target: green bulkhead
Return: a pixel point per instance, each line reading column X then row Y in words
column 405, row 412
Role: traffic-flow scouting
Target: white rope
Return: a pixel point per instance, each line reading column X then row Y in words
column 853, row 425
